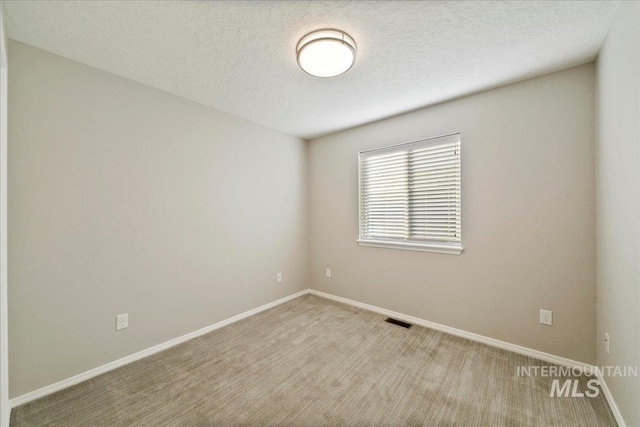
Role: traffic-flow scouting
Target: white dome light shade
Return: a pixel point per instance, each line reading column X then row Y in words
column 326, row 53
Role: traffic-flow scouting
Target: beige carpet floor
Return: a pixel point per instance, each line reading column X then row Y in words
column 315, row 362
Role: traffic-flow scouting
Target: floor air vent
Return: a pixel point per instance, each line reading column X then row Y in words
column 398, row 322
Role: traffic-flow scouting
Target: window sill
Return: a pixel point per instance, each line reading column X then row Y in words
column 421, row 247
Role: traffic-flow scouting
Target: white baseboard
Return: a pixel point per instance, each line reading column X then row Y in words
column 611, row 401
column 459, row 332
column 36, row 394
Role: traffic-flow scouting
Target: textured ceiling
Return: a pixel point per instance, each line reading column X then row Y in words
column 239, row 57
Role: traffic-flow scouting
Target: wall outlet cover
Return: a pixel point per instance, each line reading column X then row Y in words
column 546, row 317
column 122, row 321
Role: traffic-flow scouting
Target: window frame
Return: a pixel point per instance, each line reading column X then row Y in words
column 443, row 248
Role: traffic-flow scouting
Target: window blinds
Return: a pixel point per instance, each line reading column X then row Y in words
column 410, row 193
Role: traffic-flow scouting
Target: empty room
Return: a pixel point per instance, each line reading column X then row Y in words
column 319, row 213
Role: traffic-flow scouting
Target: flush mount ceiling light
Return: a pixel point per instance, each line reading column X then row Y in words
column 326, row 53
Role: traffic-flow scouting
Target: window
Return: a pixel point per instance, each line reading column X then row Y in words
column 410, row 196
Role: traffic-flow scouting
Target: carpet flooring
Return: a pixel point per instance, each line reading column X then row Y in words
column 316, row 362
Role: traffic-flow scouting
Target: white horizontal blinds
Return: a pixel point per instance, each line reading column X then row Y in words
column 434, row 191
column 385, row 199
column 411, row 192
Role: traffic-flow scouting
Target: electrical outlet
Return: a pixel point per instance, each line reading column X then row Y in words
column 546, row 317
column 606, row 342
column 328, row 272
column 122, row 321
column 279, row 277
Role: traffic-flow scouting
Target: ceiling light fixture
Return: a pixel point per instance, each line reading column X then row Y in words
column 326, row 53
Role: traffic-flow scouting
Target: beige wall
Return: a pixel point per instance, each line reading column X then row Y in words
column 528, row 217
column 124, row 198
column 618, row 205
column 4, row 330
